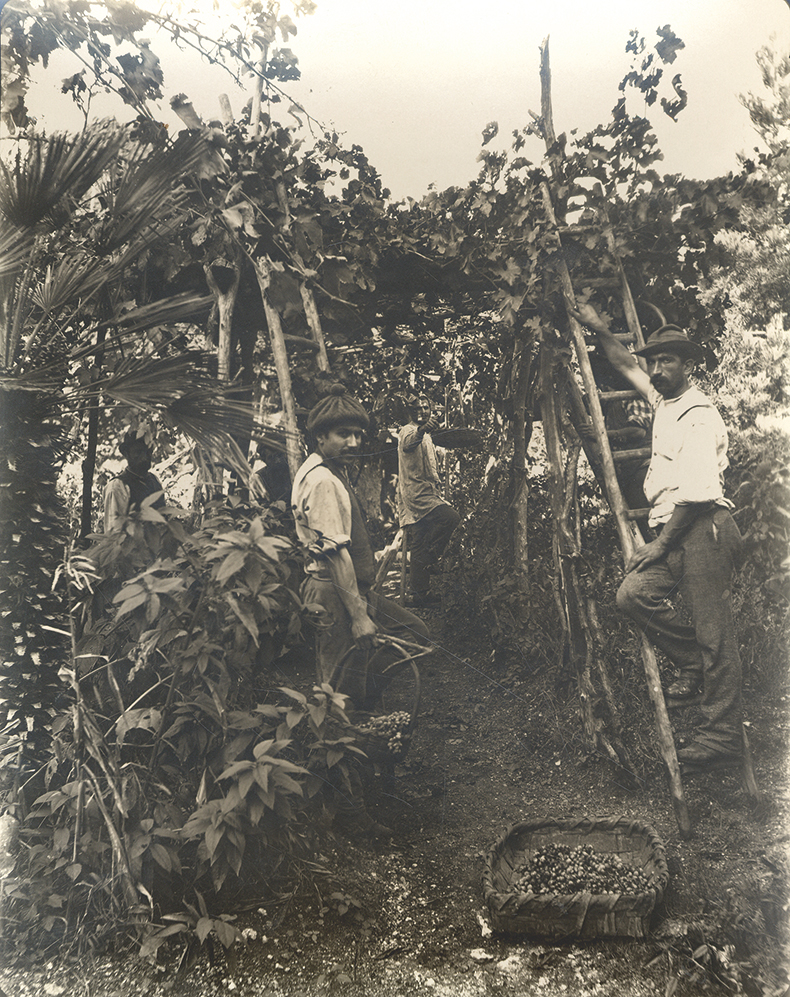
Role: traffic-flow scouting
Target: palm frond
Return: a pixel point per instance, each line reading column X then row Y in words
column 53, row 168
column 15, row 247
column 75, row 279
column 184, row 393
column 179, row 308
column 180, row 389
column 144, row 191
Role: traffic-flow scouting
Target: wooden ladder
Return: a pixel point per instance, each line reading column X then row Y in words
column 400, row 544
column 626, row 518
column 628, row 533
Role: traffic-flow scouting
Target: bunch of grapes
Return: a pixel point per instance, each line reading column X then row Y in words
column 563, row 869
column 393, row 726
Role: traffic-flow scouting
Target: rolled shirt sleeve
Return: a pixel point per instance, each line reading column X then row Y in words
column 326, row 517
column 697, row 465
column 322, row 511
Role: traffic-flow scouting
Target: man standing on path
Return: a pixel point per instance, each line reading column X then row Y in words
column 127, row 490
column 331, row 524
column 421, row 507
column 698, row 545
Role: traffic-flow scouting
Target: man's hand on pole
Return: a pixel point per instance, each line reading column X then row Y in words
column 586, row 314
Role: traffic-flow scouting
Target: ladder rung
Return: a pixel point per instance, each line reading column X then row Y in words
column 637, row 513
column 619, row 455
column 612, row 396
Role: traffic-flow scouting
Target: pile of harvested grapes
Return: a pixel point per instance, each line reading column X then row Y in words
column 562, row 869
column 394, row 727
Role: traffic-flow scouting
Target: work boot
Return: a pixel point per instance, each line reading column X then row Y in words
column 686, row 689
column 697, row 757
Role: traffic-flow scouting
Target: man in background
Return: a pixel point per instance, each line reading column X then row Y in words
column 422, row 509
column 133, row 485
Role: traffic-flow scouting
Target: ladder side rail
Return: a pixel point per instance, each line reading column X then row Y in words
column 629, row 306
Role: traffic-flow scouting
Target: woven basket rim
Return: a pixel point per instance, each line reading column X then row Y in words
column 622, row 824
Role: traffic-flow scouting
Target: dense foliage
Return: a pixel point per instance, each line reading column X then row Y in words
column 175, row 756
column 158, row 738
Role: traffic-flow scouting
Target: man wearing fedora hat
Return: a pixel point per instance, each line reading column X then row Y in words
column 341, row 571
column 697, row 545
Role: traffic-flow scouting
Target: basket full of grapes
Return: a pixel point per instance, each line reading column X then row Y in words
column 386, row 737
column 585, row 878
column 386, row 720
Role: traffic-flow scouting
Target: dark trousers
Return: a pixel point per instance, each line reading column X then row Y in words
column 334, row 639
column 701, row 570
column 427, row 539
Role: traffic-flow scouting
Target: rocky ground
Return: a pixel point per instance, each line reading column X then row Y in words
column 405, row 916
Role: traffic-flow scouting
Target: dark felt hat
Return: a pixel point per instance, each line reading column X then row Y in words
column 130, row 437
column 338, row 408
column 675, row 340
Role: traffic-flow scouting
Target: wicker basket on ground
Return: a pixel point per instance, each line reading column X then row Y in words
column 581, row 915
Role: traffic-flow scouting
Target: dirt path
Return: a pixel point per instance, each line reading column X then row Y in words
column 406, row 917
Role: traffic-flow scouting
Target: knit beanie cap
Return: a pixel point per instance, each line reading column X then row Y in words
column 336, row 409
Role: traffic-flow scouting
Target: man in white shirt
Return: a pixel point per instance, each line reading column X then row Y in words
column 698, row 545
column 128, row 490
column 331, row 525
column 421, row 507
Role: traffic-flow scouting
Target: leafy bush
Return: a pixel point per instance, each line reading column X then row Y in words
column 179, row 765
column 759, row 484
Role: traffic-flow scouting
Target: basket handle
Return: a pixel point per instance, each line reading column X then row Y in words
column 393, row 644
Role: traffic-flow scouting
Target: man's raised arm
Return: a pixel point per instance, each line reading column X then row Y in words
column 618, row 356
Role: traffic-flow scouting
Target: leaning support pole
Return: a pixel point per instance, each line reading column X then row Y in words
column 281, row 366
column 308, row 298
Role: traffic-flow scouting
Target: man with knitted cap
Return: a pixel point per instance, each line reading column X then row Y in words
column 341, row 571
column 697, row 545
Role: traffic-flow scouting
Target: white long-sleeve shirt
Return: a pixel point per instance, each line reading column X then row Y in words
column 689, row 454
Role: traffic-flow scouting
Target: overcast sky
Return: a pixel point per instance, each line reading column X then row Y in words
column 414, row 82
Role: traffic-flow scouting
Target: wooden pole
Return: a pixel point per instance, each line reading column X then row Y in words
column 280, row 354
column 308, row 298
column 314, row 322
column 257, row 93
column 226, row 302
